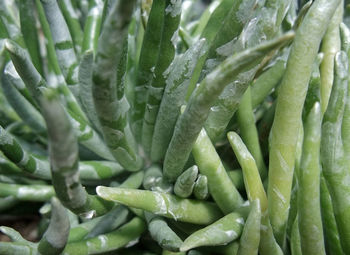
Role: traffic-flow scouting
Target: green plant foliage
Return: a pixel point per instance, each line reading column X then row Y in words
column 176, row 126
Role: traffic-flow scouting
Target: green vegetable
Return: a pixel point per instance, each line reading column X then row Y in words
column 220, row 232
column 334, row 162
column 249, row 133
column 185, row 182
column 64, row 161
column 148, row 59
column 71, row 18
column 331, row 233
column 260, row 27
column 158, row 228
column 36, row 84
column 255, row 190
column 295, row 239
column 200, row 189
column 159, row 203
column 92, row 26
column 165, row 57
column 285, row 127
column 220, row 186
column 309, row 212
column 163, row 234
column 250, row 238
column 30, row 33
column 191, row 121
column 118, row 120
column 173, row 97
column 111, row 106
column 55, row 237
column 110, row 241
column 330, row 46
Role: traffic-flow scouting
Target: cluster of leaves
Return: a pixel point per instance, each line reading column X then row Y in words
column 118, row 119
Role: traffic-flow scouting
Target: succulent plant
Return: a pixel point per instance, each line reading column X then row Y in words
column 176, row 126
